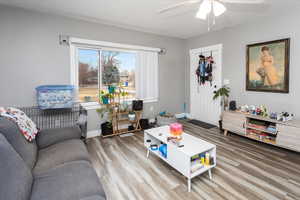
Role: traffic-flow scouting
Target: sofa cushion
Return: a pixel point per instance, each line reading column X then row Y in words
column 16, row 177
column 27, row 150
column 71, row 181
column 60, row 153
column 48, row 137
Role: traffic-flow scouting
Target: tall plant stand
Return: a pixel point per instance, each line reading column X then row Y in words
column 121, row 120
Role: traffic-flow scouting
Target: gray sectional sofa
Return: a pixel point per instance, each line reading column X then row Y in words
column 55, row 166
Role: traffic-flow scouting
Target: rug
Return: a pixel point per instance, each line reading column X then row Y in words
column 202, row 124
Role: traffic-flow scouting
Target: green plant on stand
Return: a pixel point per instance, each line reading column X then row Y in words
column 106, row 110
column 125, row 106
column 222, row 93
column 131, row 116
column 111, row 89
column 104, row 97
column 106, row 113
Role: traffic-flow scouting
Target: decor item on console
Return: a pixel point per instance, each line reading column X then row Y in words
column 232, row 105
column 268, row 66
column 262, row 111
column 285, row 116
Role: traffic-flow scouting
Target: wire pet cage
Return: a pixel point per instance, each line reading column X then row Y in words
column 58, row 118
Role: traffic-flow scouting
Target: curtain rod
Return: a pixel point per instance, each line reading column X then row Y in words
column 67, row 40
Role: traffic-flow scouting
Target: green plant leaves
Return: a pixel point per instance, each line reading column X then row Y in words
column 222, row 92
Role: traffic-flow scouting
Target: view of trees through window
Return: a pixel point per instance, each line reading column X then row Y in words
column 111, row 67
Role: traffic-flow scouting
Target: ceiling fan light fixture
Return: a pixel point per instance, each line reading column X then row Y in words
column 201, row 15
column 218, row 8
column 204, row 9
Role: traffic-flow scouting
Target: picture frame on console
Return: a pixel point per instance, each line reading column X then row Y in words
column 267, row 66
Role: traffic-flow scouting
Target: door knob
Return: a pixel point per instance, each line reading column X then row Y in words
column 215, row 86
column 215, row 92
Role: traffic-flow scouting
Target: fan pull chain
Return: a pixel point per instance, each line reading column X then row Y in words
column 208, row 22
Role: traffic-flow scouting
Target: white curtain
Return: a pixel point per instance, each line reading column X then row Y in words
column 147, row 75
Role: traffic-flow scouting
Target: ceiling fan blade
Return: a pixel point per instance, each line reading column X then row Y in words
column 174, row 6
column 243, row 1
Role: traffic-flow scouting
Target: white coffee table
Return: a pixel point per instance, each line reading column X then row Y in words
column 180, row 157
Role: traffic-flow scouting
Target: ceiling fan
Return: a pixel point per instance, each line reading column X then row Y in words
column 209, row 8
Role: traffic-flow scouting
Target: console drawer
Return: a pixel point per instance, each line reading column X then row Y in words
column 288, row 136
column 234, row 128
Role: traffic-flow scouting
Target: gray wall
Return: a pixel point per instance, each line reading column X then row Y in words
column 234, row 42
column 31, row 55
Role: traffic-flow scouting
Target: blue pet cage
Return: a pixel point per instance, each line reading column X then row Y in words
column 55, row 96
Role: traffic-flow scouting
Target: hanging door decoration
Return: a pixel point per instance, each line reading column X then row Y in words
column 205, row 69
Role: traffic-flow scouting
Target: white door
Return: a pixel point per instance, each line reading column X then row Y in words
column 202, row 105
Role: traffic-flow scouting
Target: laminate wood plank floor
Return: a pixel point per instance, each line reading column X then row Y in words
column 245, row 169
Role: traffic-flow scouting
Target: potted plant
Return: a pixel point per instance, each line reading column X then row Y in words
column 111, row 89
column 124, row 105
column 222, row 93
column 106, row 113
column 106, row 128
column 131, row 116
column 104, row 97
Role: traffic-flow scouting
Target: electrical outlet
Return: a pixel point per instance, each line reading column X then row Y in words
column 151, row 108
column 151, row 120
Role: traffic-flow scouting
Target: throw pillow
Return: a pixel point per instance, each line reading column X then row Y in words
column 26, row 125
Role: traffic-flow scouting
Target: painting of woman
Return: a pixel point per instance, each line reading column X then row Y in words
column 267, row 66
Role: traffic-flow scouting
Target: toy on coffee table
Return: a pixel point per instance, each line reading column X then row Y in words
column 176, row 130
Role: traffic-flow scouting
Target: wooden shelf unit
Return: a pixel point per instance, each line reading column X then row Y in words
column 117, row 121
column 287, row 134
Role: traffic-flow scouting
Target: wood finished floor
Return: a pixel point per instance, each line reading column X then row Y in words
column 245, row 170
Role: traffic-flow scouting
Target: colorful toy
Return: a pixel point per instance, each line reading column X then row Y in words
column 176, row 130
column 258, row 111
column 163, row 150
column 273, row 115
column 154, row 147
column 264, row 111
column 252, row 110
column 285, row 116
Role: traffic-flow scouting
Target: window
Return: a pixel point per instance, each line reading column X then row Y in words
column 88, row 74
column 99, row 68
column 97, row 64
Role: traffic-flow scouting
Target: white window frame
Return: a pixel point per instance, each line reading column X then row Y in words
column 78, row 43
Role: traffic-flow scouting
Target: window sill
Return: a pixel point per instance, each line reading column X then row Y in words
column 96, row 105
column 90, row 105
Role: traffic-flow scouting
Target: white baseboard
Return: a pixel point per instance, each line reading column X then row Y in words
column 183, row 115
column 189, row 116
column 93, row 133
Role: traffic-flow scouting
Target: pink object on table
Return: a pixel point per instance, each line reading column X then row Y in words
column 176, row 129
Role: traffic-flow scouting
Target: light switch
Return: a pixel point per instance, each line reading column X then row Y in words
column 226, row 81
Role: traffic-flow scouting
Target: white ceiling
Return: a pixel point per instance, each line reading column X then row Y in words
column 142, row 15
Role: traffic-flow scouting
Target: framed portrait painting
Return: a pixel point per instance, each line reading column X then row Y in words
column 268, row 66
